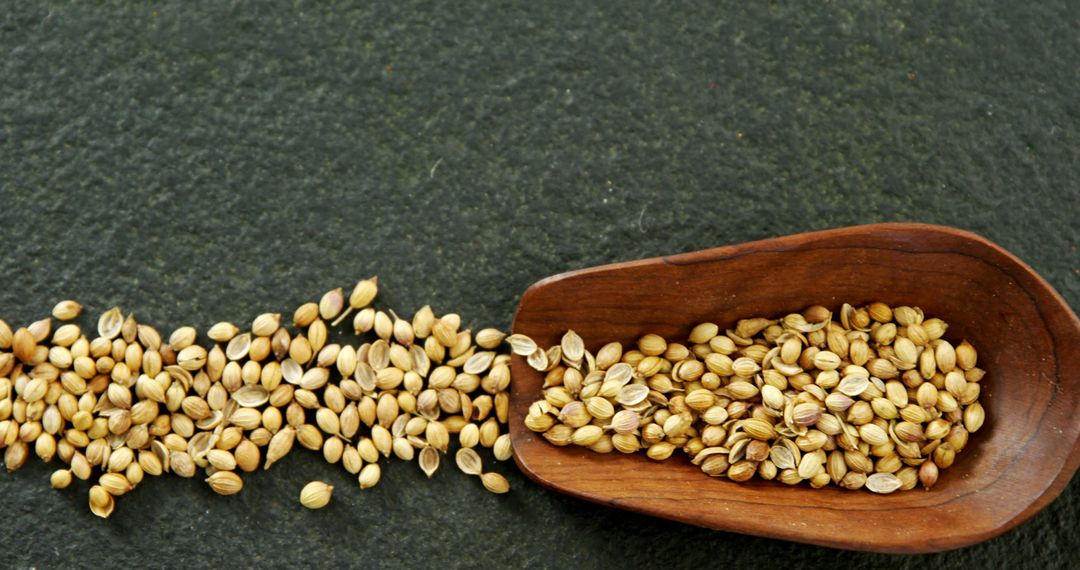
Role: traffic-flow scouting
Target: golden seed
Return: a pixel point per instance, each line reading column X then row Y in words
column 316, row 495
column 364, row 293
column 331, row 304
column 60, row 479
column 437, row 435
column 151, row 463
column 369, row 476
column 266, row 324
column 469, row 436
column 280, row 445
column 559, row 434
column 66, row 310
column 5, row 335
column 182, row 338
column 222, row 332
column 495, row 483
column 928, row 474
column 660, row 451
column 305, row 314
column 101, row 502
column 966, row 356
column 883, row 483
column 489, row 339
column 384, row 441
column 974, row 416
column 521, row 344
column 80, row 467
column 742, row 471
column 115, row 484
column 503, row 448
column 333, row 448
column 309, row 437
column 225, row 483
column 741, row 390
column 23, row 345
column 758, row 429
column 221, row 459
column 364, row 321
column 703, row 333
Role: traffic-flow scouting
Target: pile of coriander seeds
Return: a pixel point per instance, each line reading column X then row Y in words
column 876, row 398
column 126, row 402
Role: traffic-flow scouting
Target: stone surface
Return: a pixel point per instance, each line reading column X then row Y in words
column 206, row 161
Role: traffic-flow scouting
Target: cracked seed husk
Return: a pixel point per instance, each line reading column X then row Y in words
column 110, row 322
column 101, row 502
column 468, row 461
column 429, row 460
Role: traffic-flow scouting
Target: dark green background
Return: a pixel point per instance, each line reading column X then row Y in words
column 205, row 161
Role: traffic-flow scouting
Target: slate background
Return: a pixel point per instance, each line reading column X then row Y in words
column 202, row 161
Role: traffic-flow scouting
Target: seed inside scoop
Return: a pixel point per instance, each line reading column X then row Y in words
column 872, row 397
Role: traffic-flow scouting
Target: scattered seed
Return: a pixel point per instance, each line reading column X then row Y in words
column 331, row 304
column 222, row 332
column 364, row 293
column 316, row 495
column 227, row 483
column 180, row 406
column 495, row 483
column 61, row 478
column 66, row 310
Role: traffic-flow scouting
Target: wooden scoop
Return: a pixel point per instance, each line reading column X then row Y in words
column 1027, row 337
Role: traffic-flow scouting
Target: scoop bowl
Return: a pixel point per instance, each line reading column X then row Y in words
column 1027, row 337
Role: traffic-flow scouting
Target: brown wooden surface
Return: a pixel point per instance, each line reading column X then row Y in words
column 1027, row 337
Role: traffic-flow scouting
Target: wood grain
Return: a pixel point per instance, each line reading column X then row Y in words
column 1027, row 337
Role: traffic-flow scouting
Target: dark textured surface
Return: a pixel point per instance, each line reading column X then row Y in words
column 205, row 161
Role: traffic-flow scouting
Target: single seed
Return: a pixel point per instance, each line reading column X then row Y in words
column 316, row 495
column 266, row 324
column 331, row 304
column 226, row 483
column 370, row 475
column 23, row 345
column 280, row 445
column 62, row 478
column 66, row 310
column 503, row 448
column 489, row 339
column 495, row 483
column 364, row 293
column 222, row 332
